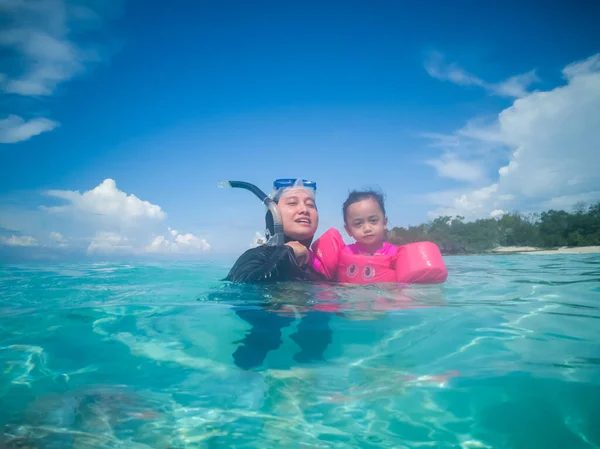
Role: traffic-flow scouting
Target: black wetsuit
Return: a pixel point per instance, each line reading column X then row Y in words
column 270, row 264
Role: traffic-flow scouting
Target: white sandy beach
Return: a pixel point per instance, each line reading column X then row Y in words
column 534, row 250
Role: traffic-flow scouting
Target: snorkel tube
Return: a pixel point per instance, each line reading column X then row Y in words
column 277, row 238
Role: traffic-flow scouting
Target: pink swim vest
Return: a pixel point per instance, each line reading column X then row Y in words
column 414, row 263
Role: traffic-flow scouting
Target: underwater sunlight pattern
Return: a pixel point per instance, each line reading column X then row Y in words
column 505, row 354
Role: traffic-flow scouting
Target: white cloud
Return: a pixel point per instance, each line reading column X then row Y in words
column 567, row 202
column 469, row 152
column 551, row 139
column 18, row 240
column 450, row 166
column 58, row 240
column 108, row 201
column 480, row 134
column 181, row 243
column 159, row 244
column 41, row 33
column 191, row 242
column 109, row 242
column 40, row 41
column 469, row 204
column 14, row 129
column 103, row 220
column 515, row 86
column 438, row 68
column 113, row 242
column 51, row 59
column 584, row 67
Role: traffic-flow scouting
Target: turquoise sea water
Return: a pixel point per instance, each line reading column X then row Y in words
column 506, row 354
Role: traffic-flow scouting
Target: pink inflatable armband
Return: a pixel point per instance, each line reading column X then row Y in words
column 414, row 263
column 420, row 263
column 326, row 252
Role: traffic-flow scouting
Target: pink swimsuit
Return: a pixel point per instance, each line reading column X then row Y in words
column 419, row 262
column 386, row 250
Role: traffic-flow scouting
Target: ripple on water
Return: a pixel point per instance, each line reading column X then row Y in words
column 505, row 354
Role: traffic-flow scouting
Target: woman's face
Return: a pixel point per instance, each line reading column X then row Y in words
column 298, row 214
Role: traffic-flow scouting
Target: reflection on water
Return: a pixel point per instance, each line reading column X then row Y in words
column 505, row 354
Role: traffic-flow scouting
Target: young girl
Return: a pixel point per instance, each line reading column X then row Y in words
column 372, row 259
column 365, row 222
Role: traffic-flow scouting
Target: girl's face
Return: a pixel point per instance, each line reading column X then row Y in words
column 299, row 215
column 366, row 223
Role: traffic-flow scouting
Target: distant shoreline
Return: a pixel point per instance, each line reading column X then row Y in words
column 511, row 250
column 545, row 251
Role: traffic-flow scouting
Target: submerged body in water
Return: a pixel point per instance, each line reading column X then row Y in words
column 266, row 265
column 140, row 356
column 272, row 266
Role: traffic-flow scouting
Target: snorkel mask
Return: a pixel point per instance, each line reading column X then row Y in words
column 286, row 185
column 282, row 186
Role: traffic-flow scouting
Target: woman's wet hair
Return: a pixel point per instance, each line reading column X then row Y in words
column 359, row 195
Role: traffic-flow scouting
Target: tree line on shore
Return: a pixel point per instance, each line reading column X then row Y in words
column 550, row 229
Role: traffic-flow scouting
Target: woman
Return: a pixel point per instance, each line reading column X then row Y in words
column 286, row 262
column 300, row 219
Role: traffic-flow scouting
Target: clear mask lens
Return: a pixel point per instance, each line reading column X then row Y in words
column 285, row 185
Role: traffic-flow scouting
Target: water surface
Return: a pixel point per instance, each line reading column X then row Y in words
column 505, row 354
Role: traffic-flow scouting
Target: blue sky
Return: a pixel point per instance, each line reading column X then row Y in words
column 448, row 108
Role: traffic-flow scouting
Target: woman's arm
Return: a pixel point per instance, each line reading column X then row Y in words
column 265, row 264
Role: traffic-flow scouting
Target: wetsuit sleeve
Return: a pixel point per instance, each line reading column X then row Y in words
column 266, row 264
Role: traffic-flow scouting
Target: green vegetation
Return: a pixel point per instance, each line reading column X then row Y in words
column 551, row 229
